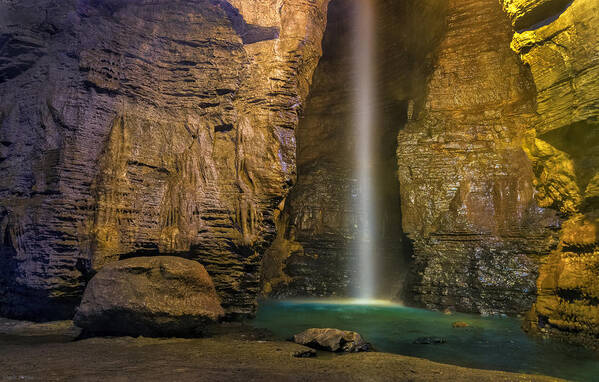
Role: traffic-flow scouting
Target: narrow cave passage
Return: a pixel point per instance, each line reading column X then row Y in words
column 315, row 254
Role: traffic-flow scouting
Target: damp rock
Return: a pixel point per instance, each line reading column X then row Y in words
column 333, row 340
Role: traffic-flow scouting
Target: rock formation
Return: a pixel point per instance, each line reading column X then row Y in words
column 149, row 296
column 333, row 340
column 561, row 48
column 310, row 256
column 466, row 183
column 141, row 128
column 133, row 128
column 313, row 254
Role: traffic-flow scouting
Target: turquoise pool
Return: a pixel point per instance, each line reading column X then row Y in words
column 496, row 343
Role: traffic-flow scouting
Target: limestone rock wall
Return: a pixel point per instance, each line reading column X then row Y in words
column 467, row 188
column 141, row 127
column 562, row 53
column 310, row 254
column 314, row 253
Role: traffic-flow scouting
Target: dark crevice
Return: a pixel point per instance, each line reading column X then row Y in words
column 585, row 157
column 223, row 128
column 577, row 295
column 542, row 15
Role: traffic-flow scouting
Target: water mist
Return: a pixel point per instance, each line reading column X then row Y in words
column 363, row 124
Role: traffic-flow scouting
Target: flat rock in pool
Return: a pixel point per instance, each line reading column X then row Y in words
column 429, row 340
column 460, row 324
column 149, row 296
column 333, row 340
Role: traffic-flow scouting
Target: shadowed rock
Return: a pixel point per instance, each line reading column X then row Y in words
column 149, row 296
column 430, row 340
column 334, row 340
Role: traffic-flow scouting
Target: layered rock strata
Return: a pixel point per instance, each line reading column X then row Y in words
column 314, row 253
column 562, row 52
column 133, row 128
column 467, row 189
column 310, row 257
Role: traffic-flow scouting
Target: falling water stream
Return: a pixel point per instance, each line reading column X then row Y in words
column 364, row 121
column 496, row 343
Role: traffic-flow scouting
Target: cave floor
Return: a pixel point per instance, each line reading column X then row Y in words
column 48, row 352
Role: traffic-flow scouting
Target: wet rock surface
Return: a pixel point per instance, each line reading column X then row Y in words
column 333, row 340
column 149, row 296
column 563, row 144
column 314, row 253
column 138, row 128
column 467, row 189
column 310, row 255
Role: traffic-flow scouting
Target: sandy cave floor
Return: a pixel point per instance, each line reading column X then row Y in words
column 48, row 352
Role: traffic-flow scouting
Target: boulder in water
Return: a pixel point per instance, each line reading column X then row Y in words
column 149, row 296
column 333, row 340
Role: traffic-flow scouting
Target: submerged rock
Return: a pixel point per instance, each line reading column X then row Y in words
column 149, row 296
column 460, row 324
column 430, row 340
column 334, row 340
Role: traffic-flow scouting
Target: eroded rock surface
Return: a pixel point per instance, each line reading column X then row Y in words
column 527, row 13
column 149, row 296
column 466, row 183
column 333, row 340
column 315, row 253
column 133, row 128
column 563, row 144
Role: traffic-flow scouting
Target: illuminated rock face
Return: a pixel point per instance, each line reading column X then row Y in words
column 466, row 184
column 526, row 13
column 563, row 144
column 132, row 128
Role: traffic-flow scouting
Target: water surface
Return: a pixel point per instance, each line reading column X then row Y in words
column 495, row 343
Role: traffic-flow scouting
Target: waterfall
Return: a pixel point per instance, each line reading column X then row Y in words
column 363, row 123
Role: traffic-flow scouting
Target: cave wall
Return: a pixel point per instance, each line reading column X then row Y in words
column 467, row 189
column 559, row 42
column 144, row 128
column 310, row 256
column 314, row 253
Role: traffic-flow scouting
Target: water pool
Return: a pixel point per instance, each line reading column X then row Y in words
column 496, row 343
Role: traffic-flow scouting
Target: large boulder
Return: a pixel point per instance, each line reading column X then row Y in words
column 334, row 340
column 149, row 296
